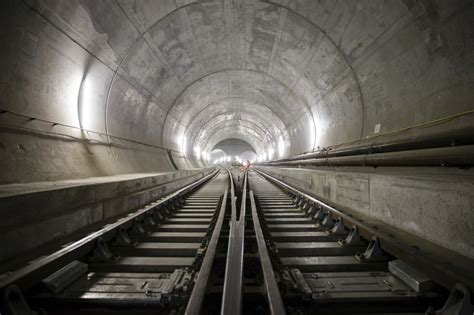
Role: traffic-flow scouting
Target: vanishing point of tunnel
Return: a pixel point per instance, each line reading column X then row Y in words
column 357, row 113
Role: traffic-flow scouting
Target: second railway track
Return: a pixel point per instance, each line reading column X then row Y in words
column 147, row 262
column 326, row 268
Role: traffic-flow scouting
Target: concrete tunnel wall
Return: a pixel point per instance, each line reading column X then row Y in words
column 234, row 149
column 141, row 77
column 433, row 203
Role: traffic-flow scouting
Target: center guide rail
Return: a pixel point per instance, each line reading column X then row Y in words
column 232, row 295
column 234, row 286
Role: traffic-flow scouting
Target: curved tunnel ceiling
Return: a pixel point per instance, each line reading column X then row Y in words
column 237, row 149
column 204, row 52
column 286, row 76
column 183, row 62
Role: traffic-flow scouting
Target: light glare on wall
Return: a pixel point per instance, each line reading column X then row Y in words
column 281, row 147
column 312, row 133
column 182, row 142
column 85, row 102
column 270, row 153
column 197, row 150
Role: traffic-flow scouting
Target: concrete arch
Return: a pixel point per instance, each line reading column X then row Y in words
column 341, row 64
column 217, row 122
column 261, row 140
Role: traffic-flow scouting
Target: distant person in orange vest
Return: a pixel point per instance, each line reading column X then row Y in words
column 248, row 165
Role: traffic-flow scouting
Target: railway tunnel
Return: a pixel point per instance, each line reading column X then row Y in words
column 361, row 109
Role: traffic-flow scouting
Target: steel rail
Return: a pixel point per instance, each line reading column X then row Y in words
column 273, row 292
column 28, row 276
column 440, row 271
column 200, row 285
column 233, row 212
column 244, row 198
column 233, row 280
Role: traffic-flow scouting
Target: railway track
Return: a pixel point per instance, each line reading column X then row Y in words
column 252, row 246
column 147, row 262
column 302, row 256
column 325, row 267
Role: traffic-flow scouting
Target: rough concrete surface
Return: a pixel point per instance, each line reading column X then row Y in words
column 435, row 204
column 284, row 76
column 31, row 219
column 92, row 88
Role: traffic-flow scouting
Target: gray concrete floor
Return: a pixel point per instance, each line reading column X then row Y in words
column 28, row 188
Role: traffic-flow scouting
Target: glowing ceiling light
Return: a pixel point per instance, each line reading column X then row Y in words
column 281, row 147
